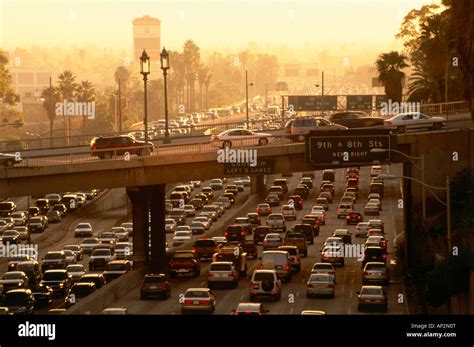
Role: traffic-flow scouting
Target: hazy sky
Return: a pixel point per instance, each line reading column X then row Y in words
column 231, row 23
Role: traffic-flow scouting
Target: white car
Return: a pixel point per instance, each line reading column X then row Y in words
column 240, row 137
column 189, row 210
column 83, row 229
column 89, row 244
column 324, row 268
column 375, row 170
column 181, row 237
column 181, row 233
column 129, row 227
column 361, row 229
column 183, row 228
column 19, row 218
column 121, row 233
column 418, row 120
column 334, row 241
column 170, row 225
column 288, row 212
column 206, row 221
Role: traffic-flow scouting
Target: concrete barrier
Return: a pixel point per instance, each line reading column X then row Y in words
column 106, row 295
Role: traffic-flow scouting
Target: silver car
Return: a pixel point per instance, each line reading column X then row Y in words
column 264, row 283
column 75, row 271
column 375, row 272
column 222, row 272
column 198, row 300
column 324, row 268
column 320, row 284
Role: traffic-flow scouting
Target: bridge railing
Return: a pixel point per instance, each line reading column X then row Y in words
column 445, row 108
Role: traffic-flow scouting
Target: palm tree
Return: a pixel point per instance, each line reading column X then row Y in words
column 67, row 88
column 202, row 75
column 389, row 66
column 192, row 57
column 207, row 82
column 85, row 93
column 423, row 87
column 50, row 97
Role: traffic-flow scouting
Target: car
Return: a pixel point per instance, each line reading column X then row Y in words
column 83, row 229
column 249, row 309
column 254, row 219
column 326, row 194
column 375, row 170
column 19, row 218
column 240, row 137
column 376, row 187
column 283, row 183
column 354, row 119
column 106, row 147
column 10, row 237
column 216, row 184
column 276, row 222
column 38, row 224
column 98, row 279
column 301, row 190
column 116, row 268
column 294, row 255
column 184, row 262
column 210, row 211
column 296, row 201
column 121, row 233
column 75, row 271
column 240, row 185
column 344, row 234
column 43, row 294
column 278, row 190
column 272, row 241
column 78, row 292
column 245, row 222
column 170, row 225
column 71, row 257
column 350, row 194
column 372, row 208
column 272, row 199
column 54, row 216
column 58, row 280
column 222, row 273
column 375, row 196
column 320, row 284
column 288, row 212
column 325, row 268
column 54, row 260
column 14, row 280
column 362, row 229
column 328, row 188
column 279, row 261
column 329, row 175
column 354, row 218
column 246, row 180
column 205, row 248
column 309, row 174
column 61, row 208
column 264, row 283
column 354, row 175
column 197, row 203
column 374, row 254
column 378, row 239
column 297, row 128
column 317, row 208
column 402, row 121
column 376, row 224
column 260, row 232
column 178, row 215
column 206, row 221
column 19, row 301
column 129, row 227
column 224, row 200
column 99, row 258
column 372, row 296
column 108, row 238
column 7, row 208
column 333, row 255
column 208, row 191
column 89, row 244
column 120, row 311
column 198, row 300
column 297, row 239
column 375, row 272
column 155, row 285
column 32, row 270
column 320, row 215
column 307, row 181
column 220, row 240
column 322, row 202
column 375, row 232
column 24, row 233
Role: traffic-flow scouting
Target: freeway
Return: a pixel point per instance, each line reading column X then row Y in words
column 294, row 293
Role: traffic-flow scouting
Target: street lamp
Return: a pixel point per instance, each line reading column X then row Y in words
column 165, row 65
column 430, row 188
column 247, row 85
column 145, row 71
column 422, row 159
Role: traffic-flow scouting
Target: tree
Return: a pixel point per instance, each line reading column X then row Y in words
column 389, row 66
column 423, row 87
column 85, row 93
column 67, row 88
column 7, row 94
column 202, row 76
column 50, row 97
column 191, row 57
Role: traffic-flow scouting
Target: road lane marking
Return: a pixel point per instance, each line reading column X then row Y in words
column 291, row 310
column 242, row 296
column 202, row 283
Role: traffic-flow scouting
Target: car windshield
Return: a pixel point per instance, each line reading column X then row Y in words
column 264, row 276
column 36, row 220
column 116, row 267
column 320, row 278
column 75, row 268
column 220, row 267
column 107, row 236
column 323, row 267
column 154, row 279
column 15, row 299
column 89, row 241
column 51, row 256
column 170, row 221
column 54, row 276
column 205, row 243
column 370, row 266
column 208, row 209
column 275, row 217
column 290, row 250
column 81, row 291
column 270, row 259
column 101, row 252
column 13, row 276
column 183, row 255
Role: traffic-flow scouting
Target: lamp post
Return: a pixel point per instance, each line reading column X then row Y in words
column 430, row 188
column 422, row 159
column 145, row 71
column 165, row 65
column 247, row 85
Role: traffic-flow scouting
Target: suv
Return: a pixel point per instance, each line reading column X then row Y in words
column 43, row 205
column 222, row 272
column 118, row 145
column 99, row 258
column 329, row 175
column 264, row 283
column 245, row 222
column 32, row 269
column 296, row 200
column 78, row 292
column 235, row 233
column 205, row 248
column 54, row 260
column 374, row 254
column 276, row 222
column 7, row 208
column 184, row 262
column 297, row 239
column 295, row 257
column 278, row 190
column 155, row 284
column 305, row 229
column 278, row 261
column 58, row 280
column 116, row 268
column 260, row 232
column 19, row 301
column 282, row 183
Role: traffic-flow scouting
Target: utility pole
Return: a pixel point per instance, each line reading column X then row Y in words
column 51, row 121
column 322, row 83
column 119, row 128
column 448, row 214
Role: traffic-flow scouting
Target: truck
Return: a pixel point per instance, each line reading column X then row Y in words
column 236, row 255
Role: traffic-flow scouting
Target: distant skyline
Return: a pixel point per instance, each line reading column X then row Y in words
column 211, row 24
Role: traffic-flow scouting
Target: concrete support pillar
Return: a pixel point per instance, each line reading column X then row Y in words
column 159, row 261
column 258, row 185
column 140, row 225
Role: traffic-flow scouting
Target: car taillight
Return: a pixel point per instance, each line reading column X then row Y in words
column 277, row 285
column 348, row 217
column 251, row 284
column 287, row 267
column 310, row 285
column 388, row 123
column 260, row 266
column 194, row 250
column 359, row 217
column 384, row 257
column 365, row 273
column 265, row 241
column 204, row 302
column 226, row 234
column 187, row 302
column 242, row 233
column 330, row 285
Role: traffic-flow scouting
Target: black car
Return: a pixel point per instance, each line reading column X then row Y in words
column 314, row 222
column 32, row 269
column 254, row 218
column 250, row 247
column 374, row 254
column 7, row 208
column 61, row 208
column 97, row 279
column 33, row 211
column 58, row 280
column 230, row 196
column 43, row 294
column 19, row 301
column 155, row 284
column 78, row 292
column 307, row 230
column 43, row 205
column 302, row 191
column 54, row 216
column 235, row 233
column 38, row 224
column 272, row 199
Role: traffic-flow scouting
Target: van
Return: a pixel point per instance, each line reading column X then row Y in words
column 329, row 175
column 278, row 261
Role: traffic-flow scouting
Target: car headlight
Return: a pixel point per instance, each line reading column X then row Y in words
column 61, row 285
column 21, row 309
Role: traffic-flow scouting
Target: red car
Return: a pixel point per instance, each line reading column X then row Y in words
column 354, row 218
column 118, row 145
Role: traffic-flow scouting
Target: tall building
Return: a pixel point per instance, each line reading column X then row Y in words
column 146, row 35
